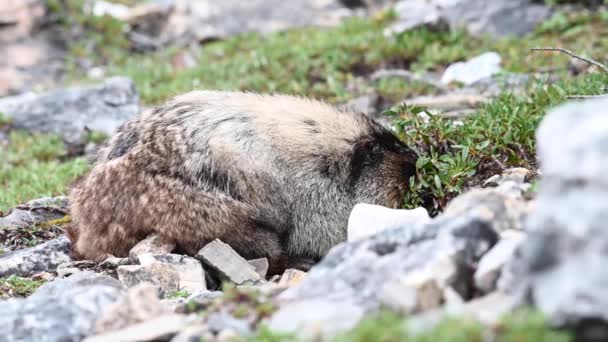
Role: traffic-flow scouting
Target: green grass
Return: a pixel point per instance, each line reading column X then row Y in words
column 520, row 326
column 501, row 134
column 14, row 286
column 32, row 167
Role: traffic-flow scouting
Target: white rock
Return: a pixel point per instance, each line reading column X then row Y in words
column 366, row 219
column 476, row 69
column 118, row 11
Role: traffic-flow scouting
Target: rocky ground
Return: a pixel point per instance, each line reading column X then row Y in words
column 503, row 236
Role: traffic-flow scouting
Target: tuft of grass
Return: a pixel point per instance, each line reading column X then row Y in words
column 32, row 167
column 14, row 286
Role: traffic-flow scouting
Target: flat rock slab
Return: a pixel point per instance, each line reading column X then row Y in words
column 228, row 263
column 68, row 111
column 171, row 272
column 44, row 257
column 36, row 212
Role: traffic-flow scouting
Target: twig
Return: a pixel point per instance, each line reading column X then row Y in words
column 573, row 55
column 583, row 97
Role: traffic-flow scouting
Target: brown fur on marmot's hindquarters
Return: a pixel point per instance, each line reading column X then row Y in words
column 272, row 176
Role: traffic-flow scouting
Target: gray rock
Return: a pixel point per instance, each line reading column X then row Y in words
column 152, row 244
column 72, row 267
column 316, row 319
column 140, row 304
column 560, row 268
column 206, row 19
column 491, row 264
column 69, row 112
column 488, row 310
column 473, row 70
column 415, row 14
column 36, row 212
column 506, row 210
column 161, row 328
column 504, row 82
column 227, row 263
column 411, row 294
column 171, row 272
column 44, row 257
column 291, row 277
column 61, row 310
column 353, row 272
column 495, row 17
column 366, row 220
column 260, row 266
column 220, row 321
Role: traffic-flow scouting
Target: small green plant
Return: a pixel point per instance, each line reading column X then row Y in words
column 180, row 294
column 14, row 286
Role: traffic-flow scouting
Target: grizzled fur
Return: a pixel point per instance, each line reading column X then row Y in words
column 272, row 176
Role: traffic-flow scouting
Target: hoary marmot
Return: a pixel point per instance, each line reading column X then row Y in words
column 271, row 175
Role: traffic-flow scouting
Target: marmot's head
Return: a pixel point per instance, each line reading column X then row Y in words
column 381, row 167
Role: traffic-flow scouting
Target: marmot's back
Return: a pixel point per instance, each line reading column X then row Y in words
column 278, row 172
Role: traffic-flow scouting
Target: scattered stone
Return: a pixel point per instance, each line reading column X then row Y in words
column 221, row 321
column 70, row 112
column 366, row 220
column 473, row 70
column 505, row 211
column 518, row 175
column 411, row 294
column 505, row 82
column 448, row 248
column 140, row 304
column 36, row 212
column 61, row 310
column 227, row 263
column 114, row 262
column 189, row 270
column 153, row 244
column 560, row 268
column 488, row 310
column 316, row 319
column 291, row 277
column 72, row 267
column 161, row 328
column 46, row 276
column 194, row 333
column 171, row 272
column 491, row 264
column 260, row 265
column 42, row 258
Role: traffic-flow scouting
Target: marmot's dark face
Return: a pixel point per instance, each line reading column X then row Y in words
column 381, row 168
